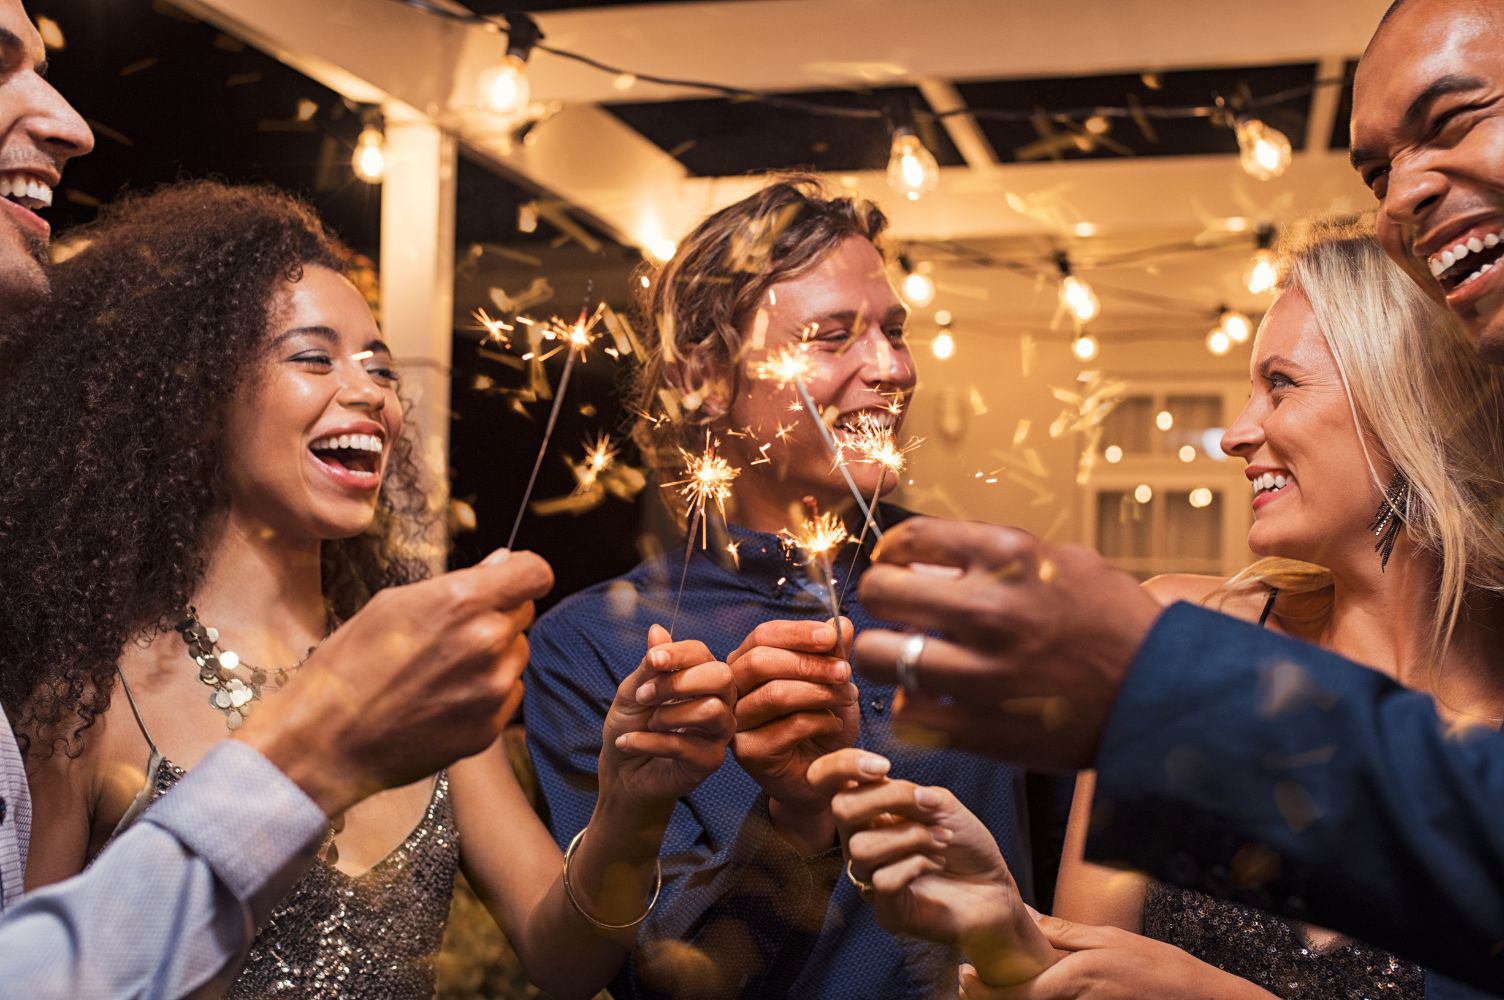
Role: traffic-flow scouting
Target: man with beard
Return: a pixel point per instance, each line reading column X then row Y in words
column 416, row 680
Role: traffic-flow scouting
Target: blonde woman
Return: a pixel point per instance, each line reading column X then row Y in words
column 1374, row 450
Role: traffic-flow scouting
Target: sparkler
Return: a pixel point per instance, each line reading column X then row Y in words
column 707, row 479
column 818, row 537
column 577, row 337
column 873, row 439
column 790, row 366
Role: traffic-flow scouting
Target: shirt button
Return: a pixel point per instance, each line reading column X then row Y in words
column 877, row 706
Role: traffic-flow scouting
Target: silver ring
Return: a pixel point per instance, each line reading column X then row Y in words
column 907, row 667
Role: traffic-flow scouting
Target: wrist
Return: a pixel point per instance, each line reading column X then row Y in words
column 307, row 740
column 809, row 831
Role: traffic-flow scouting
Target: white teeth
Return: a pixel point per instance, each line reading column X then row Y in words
column 356, row 442
column 1474, row 244
column 20, row 186
column 1279, row 482
column 1491, row 240
column 1437, row 267
column 1268, row 481
column 1448, row 258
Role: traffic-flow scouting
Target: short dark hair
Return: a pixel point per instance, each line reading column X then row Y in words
column 692, row 308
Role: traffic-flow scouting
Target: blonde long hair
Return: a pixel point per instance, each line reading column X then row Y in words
column 1416, row 387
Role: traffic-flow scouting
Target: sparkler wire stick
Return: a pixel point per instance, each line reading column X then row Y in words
column 881, row 473
column 835, row 451
column 689, row 548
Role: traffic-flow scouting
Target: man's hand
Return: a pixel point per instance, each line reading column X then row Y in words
column 669, row 724
column 795, row 702
column 1038, row 637
column 418, row 679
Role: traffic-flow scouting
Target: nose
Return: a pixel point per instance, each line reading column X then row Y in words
column 1244, row 436
column 52, row 123
column 883, row 363
column 1414, row 190
column 359, row 389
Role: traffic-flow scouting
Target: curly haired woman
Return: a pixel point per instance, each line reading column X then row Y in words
column 205, row 471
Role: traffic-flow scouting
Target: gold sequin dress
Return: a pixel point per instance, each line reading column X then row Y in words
column 372, row 935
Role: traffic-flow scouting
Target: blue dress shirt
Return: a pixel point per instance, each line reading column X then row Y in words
column 170, row 906
column 771, row 923
column 1254, row 767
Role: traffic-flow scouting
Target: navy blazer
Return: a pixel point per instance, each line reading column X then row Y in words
column 1254, row 767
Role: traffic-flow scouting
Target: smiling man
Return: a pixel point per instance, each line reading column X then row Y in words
column 1193, row 720
column 754, row 901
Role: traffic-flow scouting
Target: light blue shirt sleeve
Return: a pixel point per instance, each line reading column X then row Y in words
column 170, row 906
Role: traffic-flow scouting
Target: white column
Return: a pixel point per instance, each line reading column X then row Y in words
column 417, row 287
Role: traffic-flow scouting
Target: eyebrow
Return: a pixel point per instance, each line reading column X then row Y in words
column 848, row 317
column 1452, row 83
column 1275, row 361
column 13, row 47
column 376, row 345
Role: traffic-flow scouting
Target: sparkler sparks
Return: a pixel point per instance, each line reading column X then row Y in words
column 791, row 364
column 496, row 329
column 817, row 537
column 707, row 479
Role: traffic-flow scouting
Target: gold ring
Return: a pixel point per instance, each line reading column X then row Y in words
column 864, row 889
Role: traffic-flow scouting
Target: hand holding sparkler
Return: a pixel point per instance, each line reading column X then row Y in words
column 795, row 703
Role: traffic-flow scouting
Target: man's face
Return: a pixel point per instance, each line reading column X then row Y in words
column 1428, row 140
column 38, row 134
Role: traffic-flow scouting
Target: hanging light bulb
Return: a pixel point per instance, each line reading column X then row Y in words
column 1218, row 342
column 1076, row 296
column 1263, row 270
column 1236, row 325
column 918, row 287
column 912, row 170
column 1085, row 347
column 503, row 88
column 369, row 159
column 944, row 345
column 1263, row 151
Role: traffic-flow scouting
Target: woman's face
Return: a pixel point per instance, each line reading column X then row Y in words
column 1313, row 492
column 844, row 314
column 308, row 438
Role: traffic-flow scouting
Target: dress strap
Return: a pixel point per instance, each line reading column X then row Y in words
column 1268, row 606
column 137, row 713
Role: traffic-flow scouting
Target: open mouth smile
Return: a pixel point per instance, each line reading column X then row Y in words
column 352, row 459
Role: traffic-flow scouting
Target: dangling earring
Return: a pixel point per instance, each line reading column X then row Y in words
column 1393, row 512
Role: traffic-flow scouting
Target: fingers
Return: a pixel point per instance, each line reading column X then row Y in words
column 800, row 636
column 781, row 736
column 833, row 772
column 969, row 607
column 943, row 668
column 503, row 583
column 765, row 663
column 775, row 698
column 696, row 751
column 708, row 679
column 857, row 808
column 871, row 850
column 1067, row 935
column 958, row 543
column 972, row 988
column 663, row 658
column 892, row 879
column 707, row 717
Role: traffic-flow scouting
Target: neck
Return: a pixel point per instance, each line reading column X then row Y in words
column 1385, row 619
column 263, row 591
column 770, row 506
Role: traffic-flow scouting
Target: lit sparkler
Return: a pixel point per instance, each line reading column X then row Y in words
column 577, row 337
column 874, row 440
column 818, row 537
column 707, row 479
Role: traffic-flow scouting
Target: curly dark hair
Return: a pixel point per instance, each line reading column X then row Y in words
column 113, row 397
column 692, row 308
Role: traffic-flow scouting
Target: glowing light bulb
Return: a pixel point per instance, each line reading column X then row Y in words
column 1187, row 453
column 369, row 159
column 1264, row 152
column 1164, row 420
column 1218, row 342
column 944, row 345
column 1085, row 347
column 1143, row 493
column 503, row 89
column 1237, row 326
column 661, row 249
column 1200, row 497
column 918, row 289
column 1113, row 454
column 942, row 317
column 912, row 170
column 1078, row 297
column 1262, row 273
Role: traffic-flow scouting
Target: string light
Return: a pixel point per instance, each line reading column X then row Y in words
column 1263, row 151
column 1143, row 493
column 942, row 317
column 503, row 88
column 918, row 287
column 1076, row 296
column 1164, row 420
column 1085, row 347
column 912, row 170
column 1187, row 453
column 1218, row 342
column 369, row 159
column 1113, row 454
column 1200, row 497
column 1263, row 268
column 1236, row 325
column 944, row 345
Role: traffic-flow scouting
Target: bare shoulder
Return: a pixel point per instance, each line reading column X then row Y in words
column 1199, row 589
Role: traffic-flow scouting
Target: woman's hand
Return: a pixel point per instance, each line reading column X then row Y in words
column 669, row 724
column 1108, row 963
column 934, row 869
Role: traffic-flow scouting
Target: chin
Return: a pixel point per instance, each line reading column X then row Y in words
column 1488, row 340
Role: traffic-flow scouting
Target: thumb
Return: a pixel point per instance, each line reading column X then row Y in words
column 496, row 558
column 657, row 636
column 1067, row 935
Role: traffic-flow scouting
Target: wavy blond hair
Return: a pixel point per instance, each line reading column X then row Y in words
column 1416, row 387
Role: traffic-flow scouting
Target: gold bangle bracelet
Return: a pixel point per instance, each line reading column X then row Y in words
column 569, row 891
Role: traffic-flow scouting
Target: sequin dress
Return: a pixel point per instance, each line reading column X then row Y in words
column 1272, row 952
column 373, row 935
